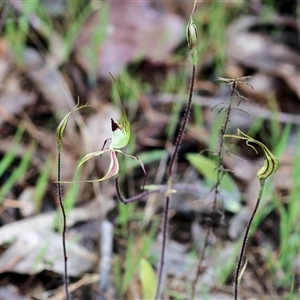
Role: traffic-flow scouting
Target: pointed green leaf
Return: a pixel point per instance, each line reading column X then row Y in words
column 148, row 280
column 207, row 167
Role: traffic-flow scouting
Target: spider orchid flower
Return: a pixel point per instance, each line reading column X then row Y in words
column 120, row 138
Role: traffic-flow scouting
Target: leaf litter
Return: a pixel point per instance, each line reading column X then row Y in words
column 43, row 91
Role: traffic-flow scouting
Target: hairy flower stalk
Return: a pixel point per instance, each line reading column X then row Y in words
column 59, row 140
column 119, row 139
column 191, row 33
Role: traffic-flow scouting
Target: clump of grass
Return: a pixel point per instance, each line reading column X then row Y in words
column 20, row 170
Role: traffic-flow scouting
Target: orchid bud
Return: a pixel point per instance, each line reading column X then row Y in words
column 191, row 34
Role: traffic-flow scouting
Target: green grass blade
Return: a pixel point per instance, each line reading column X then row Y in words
column 148, row 279
column 42, row 184
column 18, row 173
column 9, row 156
column 207, row 167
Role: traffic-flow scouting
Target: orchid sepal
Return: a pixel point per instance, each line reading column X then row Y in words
column 60, row 130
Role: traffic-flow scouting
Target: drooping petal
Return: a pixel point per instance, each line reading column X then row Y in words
column 139, row 161
column 270, row 162
column 136, row 158
column 89, row 156
column 112, row 170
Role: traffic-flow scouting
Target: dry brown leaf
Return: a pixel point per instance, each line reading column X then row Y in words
column 37, row 250
column 14, row 99
column 49, row 81
column 26, row 244
column 135, row 30
column 258, row 51
column 43, row 221
column 238, row 223
column 5, row 60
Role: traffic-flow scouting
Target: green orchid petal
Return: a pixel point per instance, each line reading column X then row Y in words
column 84, row 160
column 136, row 158
column 270, row 161
column 120, row 129
column 112, row 170
column 89, row 156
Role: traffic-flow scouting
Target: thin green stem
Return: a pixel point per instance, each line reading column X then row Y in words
column 64, row 229
column 245, row 240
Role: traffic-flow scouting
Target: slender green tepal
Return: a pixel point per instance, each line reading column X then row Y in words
column 60, row 131
column 119, row 139
column 270, row 162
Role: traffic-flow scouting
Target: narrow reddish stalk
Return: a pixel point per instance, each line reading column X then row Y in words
column 169, row 174
column 244, row 244
column 59, row 193
column 134, row 198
